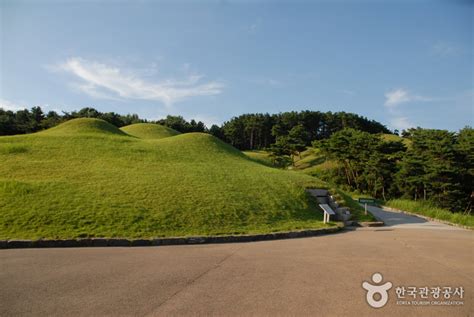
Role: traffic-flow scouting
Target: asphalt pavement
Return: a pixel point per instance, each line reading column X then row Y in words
column 318, row 276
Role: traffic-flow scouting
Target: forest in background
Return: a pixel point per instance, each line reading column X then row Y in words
column 245, row 132
column 435, row 166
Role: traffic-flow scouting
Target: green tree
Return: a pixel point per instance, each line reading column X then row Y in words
column 432, row 170
column 298, row 138
column 51, row 119
column 281, row 152
column 216, row 131
column 382, row 166
column 465, row 151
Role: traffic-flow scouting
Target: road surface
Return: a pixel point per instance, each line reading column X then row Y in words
column 406, row 221
column 319, row 276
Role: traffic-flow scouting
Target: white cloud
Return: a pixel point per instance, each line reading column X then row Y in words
column 11, row 106
column 401, row 123
column 207, row 120
column 15, row 106
column 99, row 80
column 398, row 96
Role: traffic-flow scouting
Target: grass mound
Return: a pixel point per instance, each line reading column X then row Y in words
column 149, row 131
column 64, row 183
column 84, row 126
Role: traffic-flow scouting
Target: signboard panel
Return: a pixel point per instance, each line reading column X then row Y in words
column 367, row 200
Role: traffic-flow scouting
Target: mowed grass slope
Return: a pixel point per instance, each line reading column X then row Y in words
column 149, row 131
column 86, row 178
column 83, row 126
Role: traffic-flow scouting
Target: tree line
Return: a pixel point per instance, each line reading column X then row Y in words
column 259, row 131
column 434, row 165
column 29, row 121
column 246, row 132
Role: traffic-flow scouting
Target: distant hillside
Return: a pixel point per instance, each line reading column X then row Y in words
column 83, row 126
column 312, row 161
column 86, row 178
column 149, row 131
column 394, row 137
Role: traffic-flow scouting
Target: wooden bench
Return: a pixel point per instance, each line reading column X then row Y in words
column 328, row 212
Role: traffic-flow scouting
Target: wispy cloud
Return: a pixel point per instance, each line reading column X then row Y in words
column 10, row 106
column 401, row 123
column 208, row 120
column 398, row 96
column 16, row 106
column 443, row 49
column 393, row 99
column 100, row 80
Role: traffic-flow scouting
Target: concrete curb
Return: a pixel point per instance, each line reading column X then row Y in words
column 371, row 223
column 118, row 242
column 378, row 223
column 427, row 218
column 355, row 224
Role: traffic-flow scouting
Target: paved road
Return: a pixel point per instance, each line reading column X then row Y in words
column 310, row 276
column 406, row 221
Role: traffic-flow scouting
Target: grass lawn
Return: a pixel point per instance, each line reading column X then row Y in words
column 86, row 178
column 425, row 208
column 313, row 163
column 259, row 156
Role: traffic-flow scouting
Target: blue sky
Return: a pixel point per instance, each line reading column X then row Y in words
column 404, row 63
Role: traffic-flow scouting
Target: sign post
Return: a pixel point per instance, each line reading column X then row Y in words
column 370, row 201
column 366, row 201
column 327, row 212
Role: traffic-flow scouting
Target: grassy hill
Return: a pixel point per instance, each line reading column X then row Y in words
column 86, row 178
column 394, row 137
column 310, row 161
column 149, row 131
column 259, row 156
column 83, row 126
column 313, row 162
